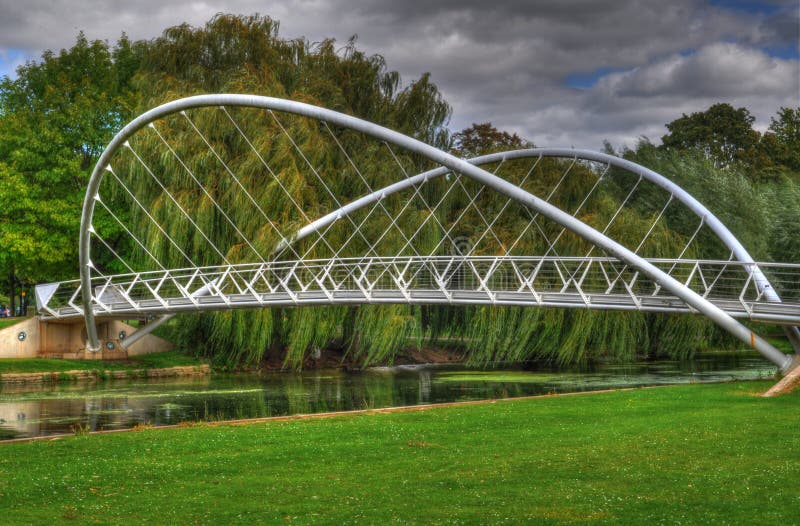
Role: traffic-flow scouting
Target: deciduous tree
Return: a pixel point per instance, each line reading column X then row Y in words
column 722, row 133
column 483, row 138
column 55, row 119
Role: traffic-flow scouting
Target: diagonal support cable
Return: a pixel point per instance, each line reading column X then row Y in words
column 275, row 177
column 505, row 205
column 392, row 220
column 316, row 173
column 205, row 191
column 175, row 202
column 646, row 236
column 149, row 216
column 233, row 176
column 127, row 231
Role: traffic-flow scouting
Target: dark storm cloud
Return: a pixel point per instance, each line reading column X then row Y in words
column 506, row 62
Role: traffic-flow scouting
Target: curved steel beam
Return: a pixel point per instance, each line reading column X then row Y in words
column 544, row 208
column 716, row 226
column 679, row 193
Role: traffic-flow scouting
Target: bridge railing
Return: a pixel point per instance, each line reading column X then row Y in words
column 596, row 282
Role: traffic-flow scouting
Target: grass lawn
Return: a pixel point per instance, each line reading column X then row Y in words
column 148, row 361
column 696, row 454
column 8, row 322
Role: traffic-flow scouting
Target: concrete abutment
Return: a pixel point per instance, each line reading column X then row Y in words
column 34, row 338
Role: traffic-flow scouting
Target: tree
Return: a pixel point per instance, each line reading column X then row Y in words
column 722, row 133
column 480, row 139
column 244, row 54
column 781, row 143
column 55, row 119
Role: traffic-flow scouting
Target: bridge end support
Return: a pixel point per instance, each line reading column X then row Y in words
column 144, row 331
column 790, row 380
column 114, row 336
column 36, row 338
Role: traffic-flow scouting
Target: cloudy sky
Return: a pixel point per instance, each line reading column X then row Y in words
column 559, row 73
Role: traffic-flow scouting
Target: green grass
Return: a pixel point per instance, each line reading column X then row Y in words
column 163, row 359
column 701, row 454
column 148, row 361
column 8, row 322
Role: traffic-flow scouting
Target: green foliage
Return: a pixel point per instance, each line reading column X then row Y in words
column 722, row 133
column 55, row 119
column 781, row 144
column 727, row 193
column 782, row 202
column 484, row 138
column 245, row 54
column 725, row 136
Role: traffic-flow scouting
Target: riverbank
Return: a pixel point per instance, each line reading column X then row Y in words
column 173, row 363
column 699, row 454
column 44, row 370
column 78, row 375
column 339, row 358
column 8, row 322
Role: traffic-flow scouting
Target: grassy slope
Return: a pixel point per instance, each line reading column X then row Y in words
column 702, row 454
column 35, row 365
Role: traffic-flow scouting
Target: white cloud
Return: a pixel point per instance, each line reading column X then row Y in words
column 717, row 70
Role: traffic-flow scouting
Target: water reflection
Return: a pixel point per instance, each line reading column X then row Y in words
column 35, row 410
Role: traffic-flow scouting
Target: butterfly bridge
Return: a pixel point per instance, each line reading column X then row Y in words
column 227, row 201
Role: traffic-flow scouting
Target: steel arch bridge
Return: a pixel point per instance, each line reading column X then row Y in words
column 348, row 212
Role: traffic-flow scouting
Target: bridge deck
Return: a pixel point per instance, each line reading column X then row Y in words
column 584, row 283
column 779, row 313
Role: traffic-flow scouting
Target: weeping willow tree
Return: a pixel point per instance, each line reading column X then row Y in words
column 238, row 54
column 234, row 184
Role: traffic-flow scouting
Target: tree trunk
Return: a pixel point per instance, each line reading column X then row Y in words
column 13, row 292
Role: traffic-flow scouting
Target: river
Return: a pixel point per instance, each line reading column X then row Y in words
column 28, row 411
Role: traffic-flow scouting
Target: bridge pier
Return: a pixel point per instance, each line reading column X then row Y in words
column 790, row 380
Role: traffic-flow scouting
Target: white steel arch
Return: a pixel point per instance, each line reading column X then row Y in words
column 449, row 163
column 738, row 250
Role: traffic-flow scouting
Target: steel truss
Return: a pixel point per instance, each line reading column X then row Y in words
column 595, row 283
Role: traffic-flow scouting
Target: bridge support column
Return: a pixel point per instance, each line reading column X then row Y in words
column 158, row 322
column 144, row 331
column 793, row 335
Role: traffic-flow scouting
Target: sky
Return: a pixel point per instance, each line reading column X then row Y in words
column 563, row 73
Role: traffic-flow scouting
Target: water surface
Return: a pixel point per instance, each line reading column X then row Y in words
column 27, row 411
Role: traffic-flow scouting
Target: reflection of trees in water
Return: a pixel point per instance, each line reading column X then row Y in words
column 235, row 407
column 424, row 386
column 61, row 409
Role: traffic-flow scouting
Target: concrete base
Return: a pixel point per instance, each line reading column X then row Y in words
column 68, row 340
column 11, row 346
column 789, row 382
